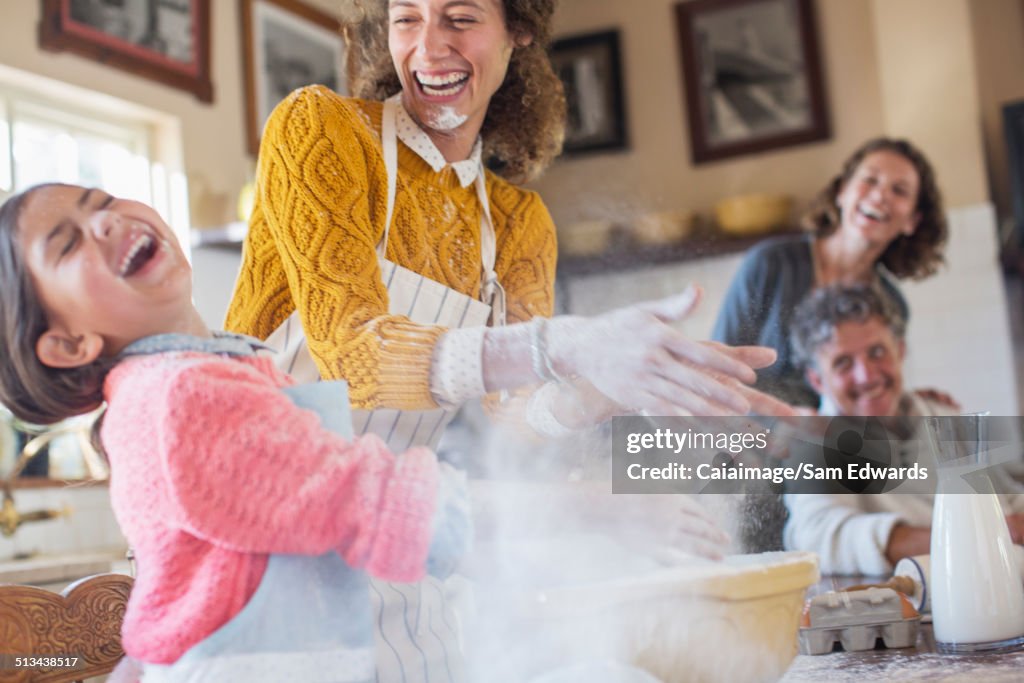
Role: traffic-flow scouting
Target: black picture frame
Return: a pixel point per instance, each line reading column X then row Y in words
column 590, row 68
column 167, row 41
column 752, row 76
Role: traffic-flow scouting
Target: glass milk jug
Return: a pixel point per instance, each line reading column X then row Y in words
column 977, row 595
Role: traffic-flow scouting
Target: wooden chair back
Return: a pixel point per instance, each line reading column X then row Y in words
column 82, row 621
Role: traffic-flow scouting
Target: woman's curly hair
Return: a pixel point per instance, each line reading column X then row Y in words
column 34, row 392
column 917, row 255
column 525, row 124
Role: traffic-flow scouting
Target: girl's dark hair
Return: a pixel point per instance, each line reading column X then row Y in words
column 525, row 124
column 908, row 256
column 34, row 392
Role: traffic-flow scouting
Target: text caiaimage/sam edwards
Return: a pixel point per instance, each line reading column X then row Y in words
column 802, row 472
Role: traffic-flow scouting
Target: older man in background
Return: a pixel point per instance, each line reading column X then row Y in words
column 850, row 341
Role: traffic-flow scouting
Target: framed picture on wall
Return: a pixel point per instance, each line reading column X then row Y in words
column 286, row 44
column 167, row 41
column 752, row 76
column 591, row 72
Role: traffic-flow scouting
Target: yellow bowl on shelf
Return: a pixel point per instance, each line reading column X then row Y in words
column 662, row 227
column 752, row 214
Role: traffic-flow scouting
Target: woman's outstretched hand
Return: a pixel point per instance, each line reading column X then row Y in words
column 635, row 356
column 756, row 357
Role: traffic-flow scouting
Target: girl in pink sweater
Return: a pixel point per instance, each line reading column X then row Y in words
column 248, row 517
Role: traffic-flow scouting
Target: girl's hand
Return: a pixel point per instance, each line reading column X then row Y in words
column 635, row 357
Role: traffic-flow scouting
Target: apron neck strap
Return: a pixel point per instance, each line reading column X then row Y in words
column 491, row 291
column 389, row 143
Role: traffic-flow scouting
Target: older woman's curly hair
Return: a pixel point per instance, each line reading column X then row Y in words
column 525, row 122
column 915, row 256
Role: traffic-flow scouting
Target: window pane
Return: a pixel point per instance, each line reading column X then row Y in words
column 46, row 152
column 113, row 166
column 43, row 153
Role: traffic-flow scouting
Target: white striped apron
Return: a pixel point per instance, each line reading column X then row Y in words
column 418, row 637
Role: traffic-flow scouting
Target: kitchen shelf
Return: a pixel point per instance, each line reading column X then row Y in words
column 624, row 254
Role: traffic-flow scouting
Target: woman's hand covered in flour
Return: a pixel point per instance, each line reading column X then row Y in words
column 756, row 357
column 637, row 358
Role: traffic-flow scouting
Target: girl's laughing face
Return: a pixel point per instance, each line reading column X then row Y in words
column 105, row 269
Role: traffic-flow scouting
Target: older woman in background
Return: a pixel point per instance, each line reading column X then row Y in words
column 357, row 198
column 879, row 220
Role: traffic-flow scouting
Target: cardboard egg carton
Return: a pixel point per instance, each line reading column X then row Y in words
column 856, row 620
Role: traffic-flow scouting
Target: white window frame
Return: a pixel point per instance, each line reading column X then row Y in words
column 155, row 136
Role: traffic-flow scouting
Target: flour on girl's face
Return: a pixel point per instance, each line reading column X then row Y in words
column 445, row 118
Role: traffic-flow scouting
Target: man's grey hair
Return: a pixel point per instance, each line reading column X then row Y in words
column 823, row 310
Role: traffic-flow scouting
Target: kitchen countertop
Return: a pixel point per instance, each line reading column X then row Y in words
column 919, row 663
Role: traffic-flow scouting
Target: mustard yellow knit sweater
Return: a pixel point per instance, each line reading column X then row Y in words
column 320, row 210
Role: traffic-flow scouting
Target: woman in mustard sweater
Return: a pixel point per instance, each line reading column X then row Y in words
column 425, row 279
column 467, row 84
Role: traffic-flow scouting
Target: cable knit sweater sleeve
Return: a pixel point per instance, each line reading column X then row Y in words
column 248, row 470
column 311, row 247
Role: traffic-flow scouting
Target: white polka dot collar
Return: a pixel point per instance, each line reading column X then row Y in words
column 416, row 139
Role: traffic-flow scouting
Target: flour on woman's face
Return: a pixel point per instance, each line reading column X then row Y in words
column 444, row 118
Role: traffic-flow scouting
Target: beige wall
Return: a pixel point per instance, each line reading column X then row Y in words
column 930, row 90
column 214, row 135
column 890, row 66
column 998, row 28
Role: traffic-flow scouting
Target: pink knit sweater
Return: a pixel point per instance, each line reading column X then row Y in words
column 214, row 468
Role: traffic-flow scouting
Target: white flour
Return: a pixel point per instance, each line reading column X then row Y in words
column 446, row 118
